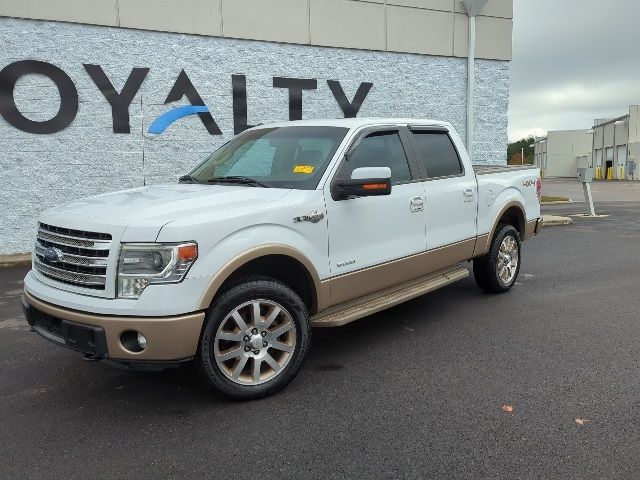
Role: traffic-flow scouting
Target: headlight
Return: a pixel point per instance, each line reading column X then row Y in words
column 142, row 264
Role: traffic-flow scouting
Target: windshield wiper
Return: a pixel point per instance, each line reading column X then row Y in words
column 188, row 179
column 238, row 179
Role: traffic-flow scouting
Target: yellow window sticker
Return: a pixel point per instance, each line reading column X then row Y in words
column 308, row 169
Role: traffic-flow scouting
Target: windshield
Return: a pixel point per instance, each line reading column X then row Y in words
column 284, row 157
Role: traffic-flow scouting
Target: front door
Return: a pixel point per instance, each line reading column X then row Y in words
column 376, row 242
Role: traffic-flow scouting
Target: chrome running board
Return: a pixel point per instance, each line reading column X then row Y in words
column 347, row 312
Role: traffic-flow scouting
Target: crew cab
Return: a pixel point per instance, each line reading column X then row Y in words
column 287, row 226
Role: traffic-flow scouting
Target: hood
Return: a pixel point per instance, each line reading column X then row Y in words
column 160, row 204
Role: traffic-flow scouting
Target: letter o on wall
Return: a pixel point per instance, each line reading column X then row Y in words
column 67, row 112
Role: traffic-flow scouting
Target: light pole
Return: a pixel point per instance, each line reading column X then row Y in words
column 473, row 9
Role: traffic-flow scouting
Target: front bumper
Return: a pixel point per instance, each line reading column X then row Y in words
column 169, row 339
column 156, row 301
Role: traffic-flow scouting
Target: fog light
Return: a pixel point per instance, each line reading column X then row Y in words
column 131, row 287
column 133, row 341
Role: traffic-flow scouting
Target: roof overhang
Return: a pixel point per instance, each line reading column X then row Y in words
column 612, row 120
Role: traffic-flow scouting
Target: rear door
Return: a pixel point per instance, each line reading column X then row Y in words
column 450, row 191
column 373, row 240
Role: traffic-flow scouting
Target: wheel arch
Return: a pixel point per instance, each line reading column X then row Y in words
column 512, row 213
column 281, row 262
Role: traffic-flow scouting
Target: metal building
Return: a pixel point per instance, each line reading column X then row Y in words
column 562, row 152
column 616, row 146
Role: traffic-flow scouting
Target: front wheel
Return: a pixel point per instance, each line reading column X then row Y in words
column 255, row 339
column 497, row 270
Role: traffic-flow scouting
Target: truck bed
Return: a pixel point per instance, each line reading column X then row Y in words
column 488, row 169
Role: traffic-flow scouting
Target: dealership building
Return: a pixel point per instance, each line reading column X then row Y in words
column 82, row 81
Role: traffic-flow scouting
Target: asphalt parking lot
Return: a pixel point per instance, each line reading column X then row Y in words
column 414, row 392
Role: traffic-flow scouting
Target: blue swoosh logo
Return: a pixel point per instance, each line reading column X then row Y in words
column 161, row 123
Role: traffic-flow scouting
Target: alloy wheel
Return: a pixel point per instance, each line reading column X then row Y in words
column 508, row 258
column 255, row 342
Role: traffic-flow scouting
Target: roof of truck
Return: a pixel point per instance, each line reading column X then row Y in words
column 355, row 122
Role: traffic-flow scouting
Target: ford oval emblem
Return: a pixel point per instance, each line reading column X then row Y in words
column 53, row 255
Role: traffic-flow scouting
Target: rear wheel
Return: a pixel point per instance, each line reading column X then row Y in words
column 255, row 339
column 497, row 271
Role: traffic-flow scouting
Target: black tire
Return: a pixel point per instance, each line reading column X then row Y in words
column 245, row 290
column 485, row 268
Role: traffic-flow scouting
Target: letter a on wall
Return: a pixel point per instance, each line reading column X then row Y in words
column 183, row 87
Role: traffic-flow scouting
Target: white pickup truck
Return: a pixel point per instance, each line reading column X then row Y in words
column 287, row 226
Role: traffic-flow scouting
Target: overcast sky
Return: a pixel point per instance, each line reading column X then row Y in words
column 573, row 61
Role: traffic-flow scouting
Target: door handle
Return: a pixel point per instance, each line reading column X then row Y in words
column 417, row 204
column 469, row 194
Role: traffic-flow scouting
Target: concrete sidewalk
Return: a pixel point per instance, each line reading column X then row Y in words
column 17, row 260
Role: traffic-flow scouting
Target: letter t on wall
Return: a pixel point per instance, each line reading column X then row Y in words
column 295, row 86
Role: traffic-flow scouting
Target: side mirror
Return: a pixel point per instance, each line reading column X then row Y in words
column 364, row 182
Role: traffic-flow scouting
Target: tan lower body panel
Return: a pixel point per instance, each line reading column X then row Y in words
column 442, row 257
column 372, row 279
column 168, row 338
column 374, row 302
column 361, row 282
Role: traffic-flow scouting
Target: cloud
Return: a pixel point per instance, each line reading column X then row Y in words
column 574, row 60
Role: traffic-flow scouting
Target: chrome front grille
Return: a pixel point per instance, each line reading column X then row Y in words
column 75, row 257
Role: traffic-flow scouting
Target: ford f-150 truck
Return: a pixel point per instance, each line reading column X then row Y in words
column 287, row 226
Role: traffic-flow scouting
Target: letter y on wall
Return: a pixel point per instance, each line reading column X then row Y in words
column 119, row 102
column 349, row 109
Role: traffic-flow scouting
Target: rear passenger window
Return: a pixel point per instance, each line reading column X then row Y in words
column 438, row 154
column 382, row 149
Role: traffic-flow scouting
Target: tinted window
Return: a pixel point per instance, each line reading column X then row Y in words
column 438, row 154
column 284, row 157
column 381, row 149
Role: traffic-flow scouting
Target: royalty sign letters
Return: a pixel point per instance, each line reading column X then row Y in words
column 182, row 87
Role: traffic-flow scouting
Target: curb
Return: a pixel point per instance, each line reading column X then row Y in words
column 586, row 215
column 559, row 202
column 16, row 260
column 553, row 221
